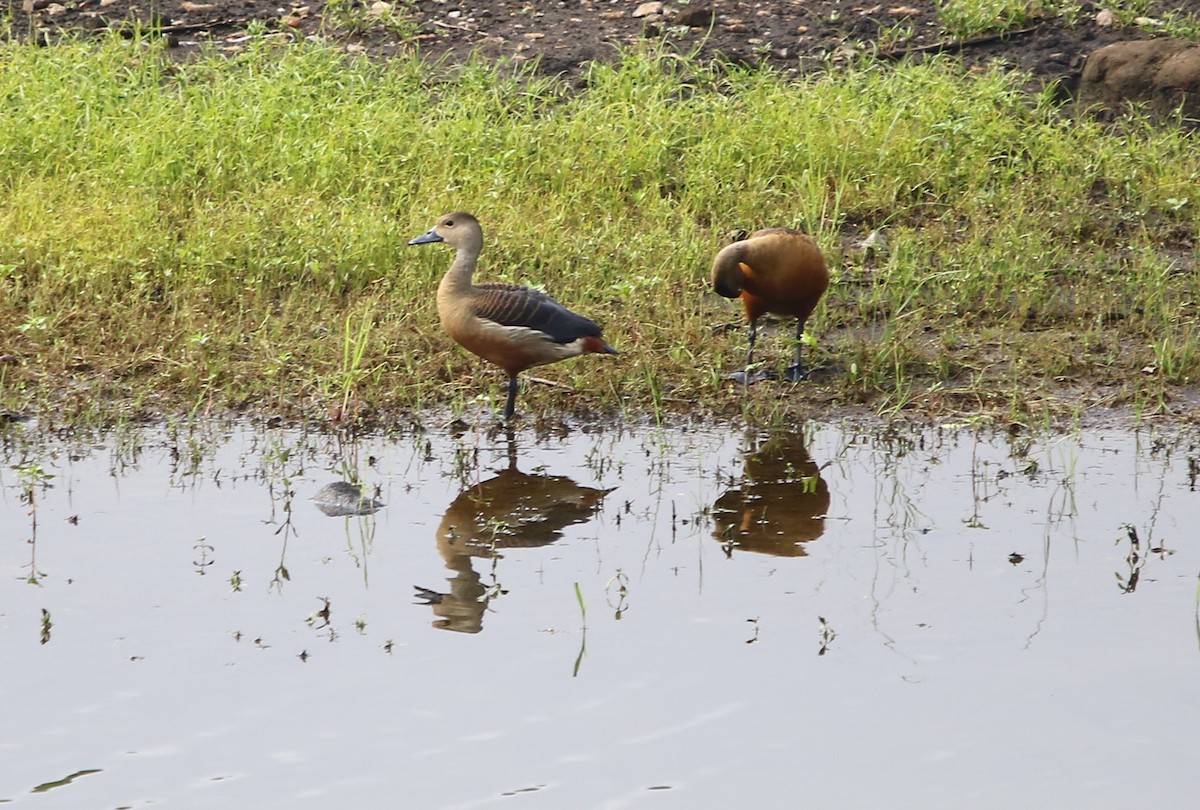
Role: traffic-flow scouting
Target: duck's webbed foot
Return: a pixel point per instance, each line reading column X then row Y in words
column 796, row 373
column 750, row 375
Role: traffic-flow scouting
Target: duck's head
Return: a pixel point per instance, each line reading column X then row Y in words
column 729, row 271
column 459, row 230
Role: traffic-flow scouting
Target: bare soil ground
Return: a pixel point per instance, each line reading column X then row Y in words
column 564, row 36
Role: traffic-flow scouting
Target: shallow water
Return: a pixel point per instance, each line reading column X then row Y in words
column 602, row 618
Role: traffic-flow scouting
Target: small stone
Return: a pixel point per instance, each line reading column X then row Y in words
column 695, row 17
column 648, row 9
column 1105, row 18
column 195, row 8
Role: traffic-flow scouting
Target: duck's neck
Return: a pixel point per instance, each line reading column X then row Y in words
column 457, row 280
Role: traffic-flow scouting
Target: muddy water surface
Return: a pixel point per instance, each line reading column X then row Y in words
column 599, row 618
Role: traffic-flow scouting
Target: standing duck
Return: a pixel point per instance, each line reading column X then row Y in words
column 776, row 270
column 512, row 326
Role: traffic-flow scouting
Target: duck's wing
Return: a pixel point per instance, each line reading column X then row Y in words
column 514, row 305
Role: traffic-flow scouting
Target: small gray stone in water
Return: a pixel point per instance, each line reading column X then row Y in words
column 341, row 498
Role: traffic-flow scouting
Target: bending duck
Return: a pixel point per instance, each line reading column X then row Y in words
column 776, row 270
column 511, row 326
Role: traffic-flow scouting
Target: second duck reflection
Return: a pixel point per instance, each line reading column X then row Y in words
column 779, row 506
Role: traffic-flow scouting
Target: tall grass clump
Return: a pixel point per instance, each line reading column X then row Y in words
column 968, row 18
column 227, row 229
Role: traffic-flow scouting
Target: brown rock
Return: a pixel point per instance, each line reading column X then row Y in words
column 695, row 16
column 1163, row 75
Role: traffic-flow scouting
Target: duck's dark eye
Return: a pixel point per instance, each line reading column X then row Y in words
column 449, row 223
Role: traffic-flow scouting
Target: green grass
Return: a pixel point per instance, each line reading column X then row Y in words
column 232, row 233
column 964, row 19
column 349, row 17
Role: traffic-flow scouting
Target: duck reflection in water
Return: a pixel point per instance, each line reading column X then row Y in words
column 780, row 504
column 513, row 509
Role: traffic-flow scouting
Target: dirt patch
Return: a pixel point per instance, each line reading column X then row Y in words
column 562, row 37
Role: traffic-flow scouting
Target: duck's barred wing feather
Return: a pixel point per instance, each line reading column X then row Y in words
column 515, row 305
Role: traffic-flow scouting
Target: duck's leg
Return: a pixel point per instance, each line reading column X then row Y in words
column 510, row 407
column 797, row 372
column 749, row 376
